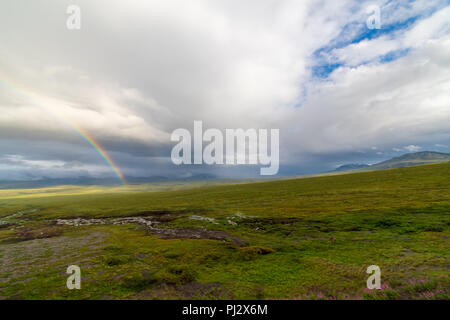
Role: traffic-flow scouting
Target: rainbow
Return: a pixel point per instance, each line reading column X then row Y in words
column 101, row 151
column 81, row 132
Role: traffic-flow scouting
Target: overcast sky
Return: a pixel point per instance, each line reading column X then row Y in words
column 136, row 70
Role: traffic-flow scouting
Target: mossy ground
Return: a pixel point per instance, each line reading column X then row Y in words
column 310, row 238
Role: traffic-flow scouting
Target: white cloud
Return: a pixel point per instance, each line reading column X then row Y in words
column 421, row 34
column 412, row 148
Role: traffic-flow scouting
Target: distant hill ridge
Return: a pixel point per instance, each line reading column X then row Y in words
column 89, row 181
column 406, row 160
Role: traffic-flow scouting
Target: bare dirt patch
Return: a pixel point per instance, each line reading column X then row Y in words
column 28, row 258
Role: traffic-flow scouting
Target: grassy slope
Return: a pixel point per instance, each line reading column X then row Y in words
column 398, row 219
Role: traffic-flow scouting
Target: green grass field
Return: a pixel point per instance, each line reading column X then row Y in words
column 268, row 240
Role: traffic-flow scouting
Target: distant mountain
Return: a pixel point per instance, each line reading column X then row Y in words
column 406, row 160
column 412, row 159
column 351, row 166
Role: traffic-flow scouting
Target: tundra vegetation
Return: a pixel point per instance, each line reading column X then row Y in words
column 307, row 238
